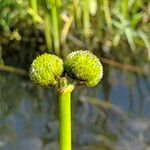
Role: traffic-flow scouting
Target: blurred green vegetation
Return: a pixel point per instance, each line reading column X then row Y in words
column 114, row 28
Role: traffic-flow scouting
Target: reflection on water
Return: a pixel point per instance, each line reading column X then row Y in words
column 29, row 115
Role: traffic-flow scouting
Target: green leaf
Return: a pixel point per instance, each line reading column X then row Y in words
column 130, row 38
column 136, row 19
column 145, row 39
column 117, row 38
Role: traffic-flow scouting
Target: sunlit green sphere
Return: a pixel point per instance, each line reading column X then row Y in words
column 46, row 69
column 84, row 66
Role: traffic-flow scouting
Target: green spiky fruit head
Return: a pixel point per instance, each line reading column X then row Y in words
column 84, row 66
column 46, row 69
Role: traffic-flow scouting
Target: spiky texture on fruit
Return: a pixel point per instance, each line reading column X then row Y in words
column 84, row 66
column 45, row 69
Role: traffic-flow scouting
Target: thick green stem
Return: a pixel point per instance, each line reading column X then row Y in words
column 65, row 121
column 65, row 114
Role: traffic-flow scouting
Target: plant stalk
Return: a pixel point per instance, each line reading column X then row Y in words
column 86, row 18
column 107, row 13
column 48, row 31
column 55, row 26
column 125, row 8
column 65, row 114
column 34, row 6
column 100, row 18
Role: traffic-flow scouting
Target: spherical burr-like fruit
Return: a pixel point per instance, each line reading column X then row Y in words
column 84, row 66
column 45, row 69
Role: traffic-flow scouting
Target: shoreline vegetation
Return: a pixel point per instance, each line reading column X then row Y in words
column 117, row 34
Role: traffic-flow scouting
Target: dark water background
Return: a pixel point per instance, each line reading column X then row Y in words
column 29, row 115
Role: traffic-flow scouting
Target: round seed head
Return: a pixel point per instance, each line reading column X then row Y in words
column 84, row 66
column 45, row 69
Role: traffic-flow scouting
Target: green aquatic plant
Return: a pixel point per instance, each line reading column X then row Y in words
column 47, row 70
